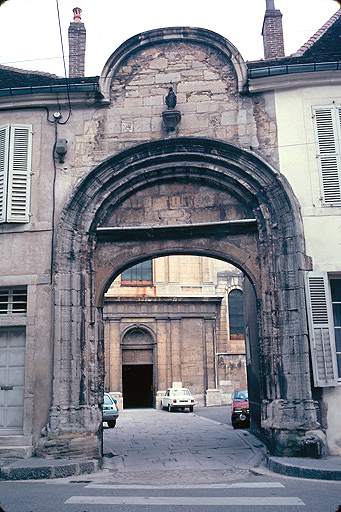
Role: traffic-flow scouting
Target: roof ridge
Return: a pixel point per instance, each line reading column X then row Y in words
column 28, row 72
column 301, row 51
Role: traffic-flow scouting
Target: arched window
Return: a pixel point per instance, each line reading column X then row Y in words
column 236, row 312
column 141, row 273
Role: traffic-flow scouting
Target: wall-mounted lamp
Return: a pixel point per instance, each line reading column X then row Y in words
column 61, row 149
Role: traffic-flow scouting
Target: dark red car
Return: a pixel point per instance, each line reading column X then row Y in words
column 240, row 414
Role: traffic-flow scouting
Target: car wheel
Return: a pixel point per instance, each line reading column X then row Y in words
column 111, row 423
column 169, row 408
column 234, row 424
column 190, row 408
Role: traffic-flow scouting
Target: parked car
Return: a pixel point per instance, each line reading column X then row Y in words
column 110, row 411
column 178, row 398
column 240, row 413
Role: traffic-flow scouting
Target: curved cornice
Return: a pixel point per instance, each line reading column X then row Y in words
column 187, row 34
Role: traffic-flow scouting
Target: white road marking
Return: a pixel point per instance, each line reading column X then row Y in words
column 185, row 501
column 239, row 485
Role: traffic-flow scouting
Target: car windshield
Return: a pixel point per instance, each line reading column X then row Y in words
column 241, row 394
column 180, row 392
column 107, row 400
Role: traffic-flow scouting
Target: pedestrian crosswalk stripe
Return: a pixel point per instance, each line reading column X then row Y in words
column 236, row 485
column 185, row 501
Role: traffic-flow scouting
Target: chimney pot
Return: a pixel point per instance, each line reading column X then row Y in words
column 77, row 14
column 270, row 5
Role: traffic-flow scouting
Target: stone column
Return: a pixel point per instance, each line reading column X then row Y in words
column 162, row 357
column 212, row 393
column 106, row 355
column 175, row 340
column 115, row 356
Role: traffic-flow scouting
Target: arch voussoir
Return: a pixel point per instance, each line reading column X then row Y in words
column 275, row 264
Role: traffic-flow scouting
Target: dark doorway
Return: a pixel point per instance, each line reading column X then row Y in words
column 137, row 385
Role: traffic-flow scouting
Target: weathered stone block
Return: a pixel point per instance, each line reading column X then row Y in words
column 167, row 78
column 142, row 125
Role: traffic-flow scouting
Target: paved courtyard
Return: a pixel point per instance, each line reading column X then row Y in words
column 155, row 446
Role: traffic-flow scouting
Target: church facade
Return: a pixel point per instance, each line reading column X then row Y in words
column 152, row 314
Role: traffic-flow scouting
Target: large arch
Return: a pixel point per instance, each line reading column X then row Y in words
column 266, row 241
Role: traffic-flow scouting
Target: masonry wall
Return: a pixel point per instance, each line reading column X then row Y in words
column 210, row 105
column 207, row 97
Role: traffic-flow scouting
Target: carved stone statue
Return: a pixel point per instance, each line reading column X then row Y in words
column 171, row 98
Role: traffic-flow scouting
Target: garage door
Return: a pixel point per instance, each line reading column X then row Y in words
column 12, row 376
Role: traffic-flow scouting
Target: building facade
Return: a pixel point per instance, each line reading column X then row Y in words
column 98, row 175
column 154, row 311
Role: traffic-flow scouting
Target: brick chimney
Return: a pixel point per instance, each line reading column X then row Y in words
column 77, row 37
column 272, row 32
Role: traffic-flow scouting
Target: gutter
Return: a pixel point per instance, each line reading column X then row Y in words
column 43, row 89
column 285, row 69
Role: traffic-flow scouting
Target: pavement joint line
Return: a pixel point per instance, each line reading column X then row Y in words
column 238, row 485
column 187, row 501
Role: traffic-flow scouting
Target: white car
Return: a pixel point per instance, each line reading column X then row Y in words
column 110, row 410
column 179, row 398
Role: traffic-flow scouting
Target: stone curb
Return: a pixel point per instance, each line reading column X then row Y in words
column 39, row 469
column 301, row 469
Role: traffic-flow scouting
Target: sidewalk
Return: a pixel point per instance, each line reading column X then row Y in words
column 152, row 446
column 327, row 468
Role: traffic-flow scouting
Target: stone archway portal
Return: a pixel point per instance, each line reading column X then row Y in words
column 194, row 196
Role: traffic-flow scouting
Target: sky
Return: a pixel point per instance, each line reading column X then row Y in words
column 30, row 35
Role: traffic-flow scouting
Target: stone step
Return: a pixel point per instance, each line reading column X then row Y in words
column 15, row 440
column 15, row 452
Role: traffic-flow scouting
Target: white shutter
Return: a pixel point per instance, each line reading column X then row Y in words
column 327, row 123
column 4, row 140
column 19, row 173
column 321, row 330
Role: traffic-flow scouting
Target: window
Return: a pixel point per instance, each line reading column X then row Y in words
column 328, row 136
column 236, row 313
column 13, row 301
column 138, row 274
column 15, row 171
column 335, row 288
column 324, row 306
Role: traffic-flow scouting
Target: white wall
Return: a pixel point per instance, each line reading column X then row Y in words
column 322, row 224
column 298, row 163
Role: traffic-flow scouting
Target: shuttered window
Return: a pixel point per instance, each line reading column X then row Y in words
column 335, row 287
column 15, row 172
column 328, row 135
column 321, row 329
